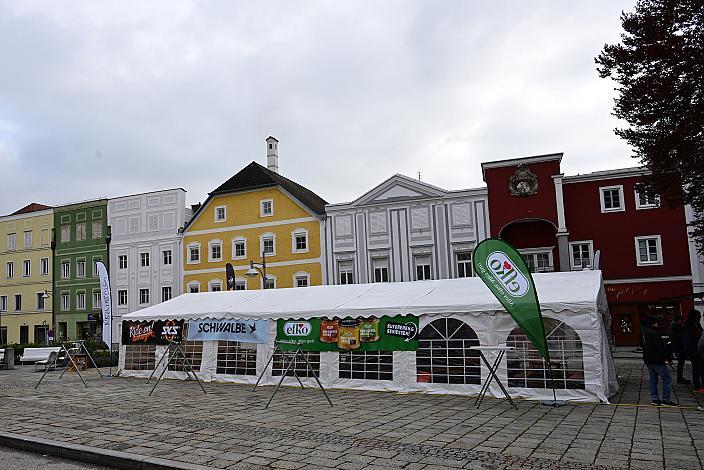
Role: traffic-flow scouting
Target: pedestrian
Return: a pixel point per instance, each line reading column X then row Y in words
column 655, row 355
column 691, row 333
column 676, row 347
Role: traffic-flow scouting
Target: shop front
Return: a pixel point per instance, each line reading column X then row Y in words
column 407, row 337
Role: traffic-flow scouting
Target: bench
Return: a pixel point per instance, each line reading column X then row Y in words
column 37, row 354
column 49, row 363
column 7, row 358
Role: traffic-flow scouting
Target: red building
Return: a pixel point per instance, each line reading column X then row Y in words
column 562, row 223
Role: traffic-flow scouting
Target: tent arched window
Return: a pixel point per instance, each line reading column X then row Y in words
column 443, row 354
column 527, row 369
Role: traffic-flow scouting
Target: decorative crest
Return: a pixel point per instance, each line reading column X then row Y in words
column 523, row 182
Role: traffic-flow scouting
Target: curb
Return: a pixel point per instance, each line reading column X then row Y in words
column 93, row 455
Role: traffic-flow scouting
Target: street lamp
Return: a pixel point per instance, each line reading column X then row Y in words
column 254, row 269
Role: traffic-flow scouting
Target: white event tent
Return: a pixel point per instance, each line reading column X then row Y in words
column 453, row 315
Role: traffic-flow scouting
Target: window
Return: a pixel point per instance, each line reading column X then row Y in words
column 122, row 297
column 346, row 272
column 122, row 261
column 10, row 270
column 44, row 266
column 97, row 301
column 11, row 241
column 140, row 357
column 143, row 296
column 65, row 301
column 299, row 241
column 648, row 250
column 381, row 269
column 268, row 244
column 18, row 302
column 65, row 233
column 144, row 258
column 40, row 301
column 612, row 199
column 464, row 264
column 240, row 284
column 65, row 270
column 166, row 257
column 193, row 350
column 3, row 305
column 194, row 287
column 301, row 279
column 581, row 255
column 97, row 230
column 194, row 253
column 538, row 260
column 81, row 300
column 81, row 231
column 28, row 239
column 368, row 365
column 220, row 214
column 281, row 360
column 526, row 368
column 646, row 199
column 26, row 268
column 269, row 282
column 235, row 358
column 266, row 207
column 215, row 250
column 81, row 268
column 165, row 293
column 215, row 286
column 239, row 248
column 422, row 267
column 444, row 355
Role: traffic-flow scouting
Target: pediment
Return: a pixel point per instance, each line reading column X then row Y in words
column 398, row 188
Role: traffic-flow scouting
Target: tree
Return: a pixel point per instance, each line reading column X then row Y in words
column 659, row 69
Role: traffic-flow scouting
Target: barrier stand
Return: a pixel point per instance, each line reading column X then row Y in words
column 175, row 353
column 70, row 354
column 288, row 367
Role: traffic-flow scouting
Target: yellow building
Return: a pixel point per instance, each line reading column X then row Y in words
column 26, row 277
column 257, row 215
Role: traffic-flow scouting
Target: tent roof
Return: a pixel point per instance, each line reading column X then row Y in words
column 571, row 291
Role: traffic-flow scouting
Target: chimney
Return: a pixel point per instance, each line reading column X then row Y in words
column 272, row 154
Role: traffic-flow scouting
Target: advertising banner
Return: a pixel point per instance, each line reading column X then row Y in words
column 152, row 331
column 230, row 276
column 397, row 333
column 506, row 275
column 106, row 304
column 244, row 331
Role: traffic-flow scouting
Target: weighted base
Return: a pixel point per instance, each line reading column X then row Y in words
column 554, row 403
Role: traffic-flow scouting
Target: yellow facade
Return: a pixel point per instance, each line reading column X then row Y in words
column 30, row 321
column 245, row 222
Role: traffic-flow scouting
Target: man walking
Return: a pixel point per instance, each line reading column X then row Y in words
column 655, row 356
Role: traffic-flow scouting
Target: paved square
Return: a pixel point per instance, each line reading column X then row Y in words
column 228, row 427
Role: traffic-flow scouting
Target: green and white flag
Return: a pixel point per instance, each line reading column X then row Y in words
column 503, row 270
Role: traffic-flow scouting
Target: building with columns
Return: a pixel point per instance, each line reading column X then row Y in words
column 404, row 230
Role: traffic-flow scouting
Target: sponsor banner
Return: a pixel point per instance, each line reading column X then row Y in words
column 397, row 333
column 152, row 332
column 230, row 276
column 245, row 331
column 506, row 275
column 106, row 304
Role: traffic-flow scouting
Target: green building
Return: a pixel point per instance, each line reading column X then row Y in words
column 79, row 238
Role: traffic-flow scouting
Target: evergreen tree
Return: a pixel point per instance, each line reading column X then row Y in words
column 659, row 69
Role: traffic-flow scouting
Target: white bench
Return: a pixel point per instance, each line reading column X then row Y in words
column 38, row 354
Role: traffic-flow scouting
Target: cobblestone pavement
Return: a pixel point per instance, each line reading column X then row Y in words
column 228, row 427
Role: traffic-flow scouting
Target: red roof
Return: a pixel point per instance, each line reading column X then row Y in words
column 33, row 207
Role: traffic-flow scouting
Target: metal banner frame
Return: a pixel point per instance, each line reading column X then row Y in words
column 175, row 354
column 70, row 354
column 288, row 367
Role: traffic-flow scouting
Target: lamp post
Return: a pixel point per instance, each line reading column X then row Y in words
column 45, row 296
column 255, row 270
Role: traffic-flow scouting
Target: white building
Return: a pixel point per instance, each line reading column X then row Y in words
column 405, row 230
column 145, row 250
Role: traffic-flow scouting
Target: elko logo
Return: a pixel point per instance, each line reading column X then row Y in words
column 503, row 270
column 297, row 328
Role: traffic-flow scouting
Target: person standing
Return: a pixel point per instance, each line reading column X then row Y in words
column 655, row 356
column 676, row 347
column 691, row 332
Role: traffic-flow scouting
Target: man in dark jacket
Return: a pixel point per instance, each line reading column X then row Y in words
column 691, row 332
column 677, row 348
column 655, row 355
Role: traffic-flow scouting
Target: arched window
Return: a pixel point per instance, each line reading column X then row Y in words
column 526, row 368
column 444, row 356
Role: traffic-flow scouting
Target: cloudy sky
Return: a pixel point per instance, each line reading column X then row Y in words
column 110, row 98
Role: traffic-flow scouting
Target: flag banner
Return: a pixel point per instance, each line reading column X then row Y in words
column 152, row 332
column 106, row 304
column 244, row 331
column 230, row 276
column 503, row 270
column 397, row 333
